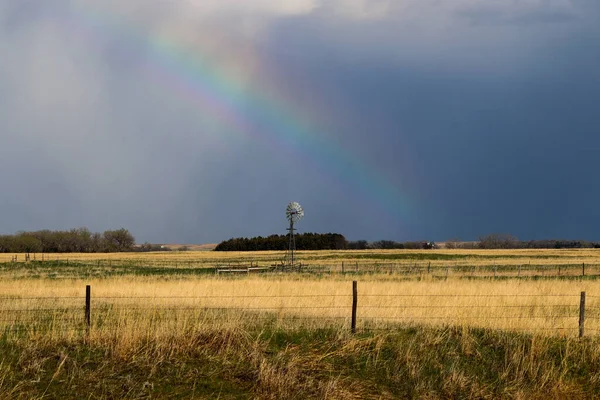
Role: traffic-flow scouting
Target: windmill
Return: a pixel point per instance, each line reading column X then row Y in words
column 294, row 213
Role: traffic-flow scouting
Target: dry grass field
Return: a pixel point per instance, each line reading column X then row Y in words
column 170, row 334
column 439, row 257
column 143, row 284
column 156, row 304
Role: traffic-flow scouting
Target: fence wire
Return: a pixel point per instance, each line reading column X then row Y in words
column 106, row 310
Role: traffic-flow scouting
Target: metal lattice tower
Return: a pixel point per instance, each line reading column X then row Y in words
column 294, row 213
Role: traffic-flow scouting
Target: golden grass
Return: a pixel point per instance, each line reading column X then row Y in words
column 137, row 306
column 441, row 257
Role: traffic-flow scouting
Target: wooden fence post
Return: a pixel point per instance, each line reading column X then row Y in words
column 354, row 304
column 88, row 303
column 519, row 274
column 429, row 267
column 581, row 314
column 343, row 268
column 558, row 269
column 583, row 269
column 447, row 271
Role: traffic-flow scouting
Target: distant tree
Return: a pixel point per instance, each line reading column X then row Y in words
column 7, row 244
column 499, row 241
column 358, row 245
column 452, row 244
column 27, row 243
column 146, row 247
column 119, row 240
column 415, row 245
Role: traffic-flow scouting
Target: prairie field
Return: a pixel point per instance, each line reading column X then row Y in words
column 179, row 289
column 441, row 257
column 183, row 331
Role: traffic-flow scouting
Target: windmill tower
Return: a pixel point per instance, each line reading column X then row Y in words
column 293, row 213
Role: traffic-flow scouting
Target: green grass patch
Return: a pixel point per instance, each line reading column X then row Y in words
column 266, row 362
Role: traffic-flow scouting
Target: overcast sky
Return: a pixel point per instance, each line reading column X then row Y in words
column 193, row 121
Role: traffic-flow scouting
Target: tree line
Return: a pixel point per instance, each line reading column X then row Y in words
column 79, row 240
column 304, row 241
column 507, row 241
column 389, row 245
column 314, row 241
column 336, row 241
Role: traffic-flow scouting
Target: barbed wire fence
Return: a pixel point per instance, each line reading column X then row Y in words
column 564, row 314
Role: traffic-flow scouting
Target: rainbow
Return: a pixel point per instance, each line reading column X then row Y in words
column 238, row 108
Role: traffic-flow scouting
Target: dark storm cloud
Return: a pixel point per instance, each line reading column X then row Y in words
column 528, row 13
column 493, row 146
column 483, row 113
